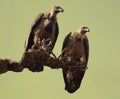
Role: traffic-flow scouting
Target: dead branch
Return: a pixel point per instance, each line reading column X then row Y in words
column 9, row 65
column 29, row 60
column 38, row 56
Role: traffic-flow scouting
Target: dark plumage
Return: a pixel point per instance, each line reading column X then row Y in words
column 75, row 52
column 43, row 33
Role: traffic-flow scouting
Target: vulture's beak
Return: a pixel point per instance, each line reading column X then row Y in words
column 87, row 30
column 61, row 10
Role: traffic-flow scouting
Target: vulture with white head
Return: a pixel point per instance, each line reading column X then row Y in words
column 43, row 34
column 75, row 52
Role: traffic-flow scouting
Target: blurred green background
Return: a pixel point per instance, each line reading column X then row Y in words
column 101, row 80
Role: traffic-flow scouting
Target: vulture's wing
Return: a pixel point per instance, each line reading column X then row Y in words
column 30, row 38
column 86, row 46
column 56, row 34
column 56, row 31
column 73, row 75
column 65, row 42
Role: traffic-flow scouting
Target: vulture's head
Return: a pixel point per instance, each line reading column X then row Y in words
column 84, row 29
column 56, row 9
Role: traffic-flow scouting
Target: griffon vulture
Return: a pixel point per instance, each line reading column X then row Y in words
column 43, row 33
column 75, row 52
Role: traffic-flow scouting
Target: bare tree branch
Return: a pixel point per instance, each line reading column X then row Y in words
column 29, row 60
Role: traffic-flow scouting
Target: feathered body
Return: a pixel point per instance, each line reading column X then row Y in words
column 75, row 56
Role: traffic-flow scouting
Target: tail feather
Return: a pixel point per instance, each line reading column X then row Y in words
column 73, row 82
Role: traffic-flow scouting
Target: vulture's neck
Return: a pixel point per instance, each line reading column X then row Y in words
column 53, row 15
column 82, row 32
column 78, row 34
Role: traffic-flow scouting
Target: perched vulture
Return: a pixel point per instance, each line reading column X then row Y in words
column 43, row 33
column 75, row 52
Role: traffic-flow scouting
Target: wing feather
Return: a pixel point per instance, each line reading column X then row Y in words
column 86, row 46
column 65, row 42
column 30, row 38
column 56, row 34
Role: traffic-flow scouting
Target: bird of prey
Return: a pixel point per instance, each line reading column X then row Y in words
column 43, row 33
column 75, row 52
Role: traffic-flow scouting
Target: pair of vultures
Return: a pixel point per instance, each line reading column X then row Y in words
column 75, row 49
